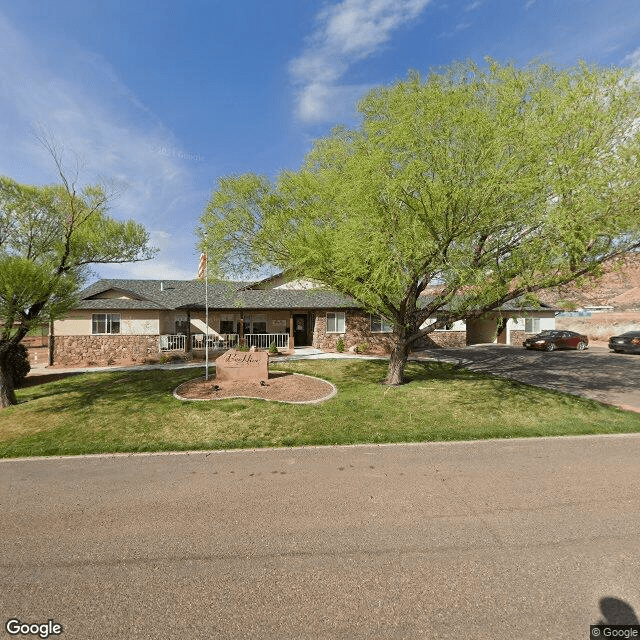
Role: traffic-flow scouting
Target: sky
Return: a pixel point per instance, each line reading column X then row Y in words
column 159, row 99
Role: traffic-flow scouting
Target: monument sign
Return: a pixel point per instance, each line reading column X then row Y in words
column 242, row 365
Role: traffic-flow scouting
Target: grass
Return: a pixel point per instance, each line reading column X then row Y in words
column 135, row 411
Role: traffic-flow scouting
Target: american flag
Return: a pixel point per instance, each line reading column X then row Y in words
column 202, row 267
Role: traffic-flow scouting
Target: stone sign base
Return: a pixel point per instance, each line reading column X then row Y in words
column 242, row 365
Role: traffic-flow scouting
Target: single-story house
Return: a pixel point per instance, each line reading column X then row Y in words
column 139, row 319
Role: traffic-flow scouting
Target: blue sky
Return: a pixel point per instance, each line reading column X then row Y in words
column 161, row 98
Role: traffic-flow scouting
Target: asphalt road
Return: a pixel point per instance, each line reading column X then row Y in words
column 516, row 539
column 597, row 373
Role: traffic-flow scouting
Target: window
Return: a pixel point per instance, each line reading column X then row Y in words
column 105, row 323
column 227, row 323
column 226, row 326
column 335, row 322
column 380, row 324
column 255, row 324
column 532, row 325
column 447, row 327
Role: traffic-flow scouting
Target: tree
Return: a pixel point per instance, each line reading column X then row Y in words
column 495, row 182
column 48, row 237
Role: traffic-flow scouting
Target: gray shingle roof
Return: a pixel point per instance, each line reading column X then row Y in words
column 117, row 303
column 517, row 304
column 190, row 294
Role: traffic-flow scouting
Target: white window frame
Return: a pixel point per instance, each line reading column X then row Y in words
column 257, row 318
column 109, row 320
column 384, row 326
column 336, row 318
column 450, row 326
column 532, row 325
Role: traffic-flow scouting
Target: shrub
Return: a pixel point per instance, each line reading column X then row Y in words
column 340, row 345
column 242, row 347
column 273, row 349
column 18, row 360
column 362, row 347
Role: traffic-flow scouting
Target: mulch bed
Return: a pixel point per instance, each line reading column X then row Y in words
column 281, row 386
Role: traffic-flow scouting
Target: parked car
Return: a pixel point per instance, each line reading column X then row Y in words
column 628, row 342
column 552, row 340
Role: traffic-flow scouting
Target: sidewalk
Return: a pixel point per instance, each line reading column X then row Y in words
column 301, row 353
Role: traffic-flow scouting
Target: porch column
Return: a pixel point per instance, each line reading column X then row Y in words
column 290, row 330
column 241, row 330
column 188, row 345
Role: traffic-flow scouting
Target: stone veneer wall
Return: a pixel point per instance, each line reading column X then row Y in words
column 358, row 330
column 516, row 338
column 69, row 350
column 438, row 339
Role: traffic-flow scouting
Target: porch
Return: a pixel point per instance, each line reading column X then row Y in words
column 222, row 342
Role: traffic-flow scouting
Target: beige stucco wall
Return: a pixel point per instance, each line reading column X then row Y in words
column 111, row 294
column 132, row 322
column 284, row 282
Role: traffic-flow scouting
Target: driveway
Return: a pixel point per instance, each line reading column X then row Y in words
column 596, row 373
column 526, row 539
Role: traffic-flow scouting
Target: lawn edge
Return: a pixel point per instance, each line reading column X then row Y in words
column 431, row 443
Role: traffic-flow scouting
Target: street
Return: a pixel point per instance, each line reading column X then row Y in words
column 524, row 539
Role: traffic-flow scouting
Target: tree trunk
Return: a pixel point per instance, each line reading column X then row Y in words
column 397, row 362
column 7, row 393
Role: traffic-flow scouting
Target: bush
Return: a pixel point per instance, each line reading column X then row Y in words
column 340, row 345
column 362, row 347
column 273, row 349
column 242, row 348
column 18, row 361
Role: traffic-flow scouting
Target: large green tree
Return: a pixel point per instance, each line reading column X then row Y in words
column 494, row 181
column 49, row 235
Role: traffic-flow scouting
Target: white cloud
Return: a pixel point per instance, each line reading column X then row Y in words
column 349, row 31
column 529, row 4
column 461, row 26
column 632, row 60
column 474, row 5
column 77, row 97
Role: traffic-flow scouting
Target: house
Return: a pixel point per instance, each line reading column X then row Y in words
column 117, row 320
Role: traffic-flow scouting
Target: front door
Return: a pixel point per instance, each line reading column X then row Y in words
column 300, row 338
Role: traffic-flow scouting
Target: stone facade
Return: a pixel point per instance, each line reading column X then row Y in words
column 516, row 338
column 103, row 349
column 358, row 330
column 437, row 339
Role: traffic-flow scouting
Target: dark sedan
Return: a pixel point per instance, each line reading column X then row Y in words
column 626, row 343
column 552, row 340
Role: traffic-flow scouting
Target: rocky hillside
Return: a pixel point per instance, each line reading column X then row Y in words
column 619, row 287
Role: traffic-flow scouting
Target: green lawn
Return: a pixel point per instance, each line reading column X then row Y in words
column 135, row 411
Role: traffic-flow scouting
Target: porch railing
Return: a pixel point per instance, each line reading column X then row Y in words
column 224, row 341
column 173, row 343
column 265, row 340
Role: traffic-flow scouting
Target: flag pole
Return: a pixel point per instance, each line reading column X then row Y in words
column 206, row 320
